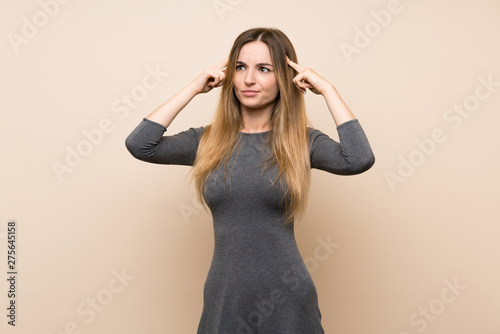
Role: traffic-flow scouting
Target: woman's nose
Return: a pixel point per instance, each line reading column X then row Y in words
column 250, row 77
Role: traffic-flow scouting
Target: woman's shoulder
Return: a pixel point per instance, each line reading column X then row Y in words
column 199, row 129
column 312, row 133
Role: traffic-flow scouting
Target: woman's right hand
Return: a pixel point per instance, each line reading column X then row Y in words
column 212, row 77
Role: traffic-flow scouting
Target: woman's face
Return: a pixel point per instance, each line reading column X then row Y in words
column 255, row 82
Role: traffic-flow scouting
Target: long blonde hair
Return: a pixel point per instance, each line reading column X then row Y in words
column 288, row 139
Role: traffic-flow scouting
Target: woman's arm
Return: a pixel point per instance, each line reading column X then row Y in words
column 307, row 78
column 210, row 78
column 339, row 110
column 147, row 143
column 353, row 155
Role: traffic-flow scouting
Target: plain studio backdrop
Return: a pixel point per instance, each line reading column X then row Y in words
column 109, row 244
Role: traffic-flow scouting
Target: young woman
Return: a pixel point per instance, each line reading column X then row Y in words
column 251, row 166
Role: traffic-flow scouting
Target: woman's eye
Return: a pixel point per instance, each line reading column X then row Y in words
column 262, row 69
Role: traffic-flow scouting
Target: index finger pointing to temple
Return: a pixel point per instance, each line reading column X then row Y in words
column 222, row 65
column 293, row 65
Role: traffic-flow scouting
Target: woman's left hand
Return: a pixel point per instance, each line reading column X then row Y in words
column 307, row 78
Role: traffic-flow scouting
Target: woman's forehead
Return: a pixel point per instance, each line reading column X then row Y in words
column 255, row 53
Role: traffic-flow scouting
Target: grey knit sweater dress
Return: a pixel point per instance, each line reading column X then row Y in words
column 257, row 281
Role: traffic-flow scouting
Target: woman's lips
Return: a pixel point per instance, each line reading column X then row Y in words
column 249, row 92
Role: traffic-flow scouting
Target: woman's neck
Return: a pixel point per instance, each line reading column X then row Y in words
column 256, row 120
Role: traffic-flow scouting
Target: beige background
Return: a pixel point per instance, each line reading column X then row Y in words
column 398, row 246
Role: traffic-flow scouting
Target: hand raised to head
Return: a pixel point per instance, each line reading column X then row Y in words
column 210, row 78
column 307, row 78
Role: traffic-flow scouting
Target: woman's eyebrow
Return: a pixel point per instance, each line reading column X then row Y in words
column 259, row 64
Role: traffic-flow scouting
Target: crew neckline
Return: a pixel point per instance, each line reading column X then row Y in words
column 255, row 133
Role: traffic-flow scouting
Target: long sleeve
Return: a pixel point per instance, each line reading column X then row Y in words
column 353, row 155
column 147, row 143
